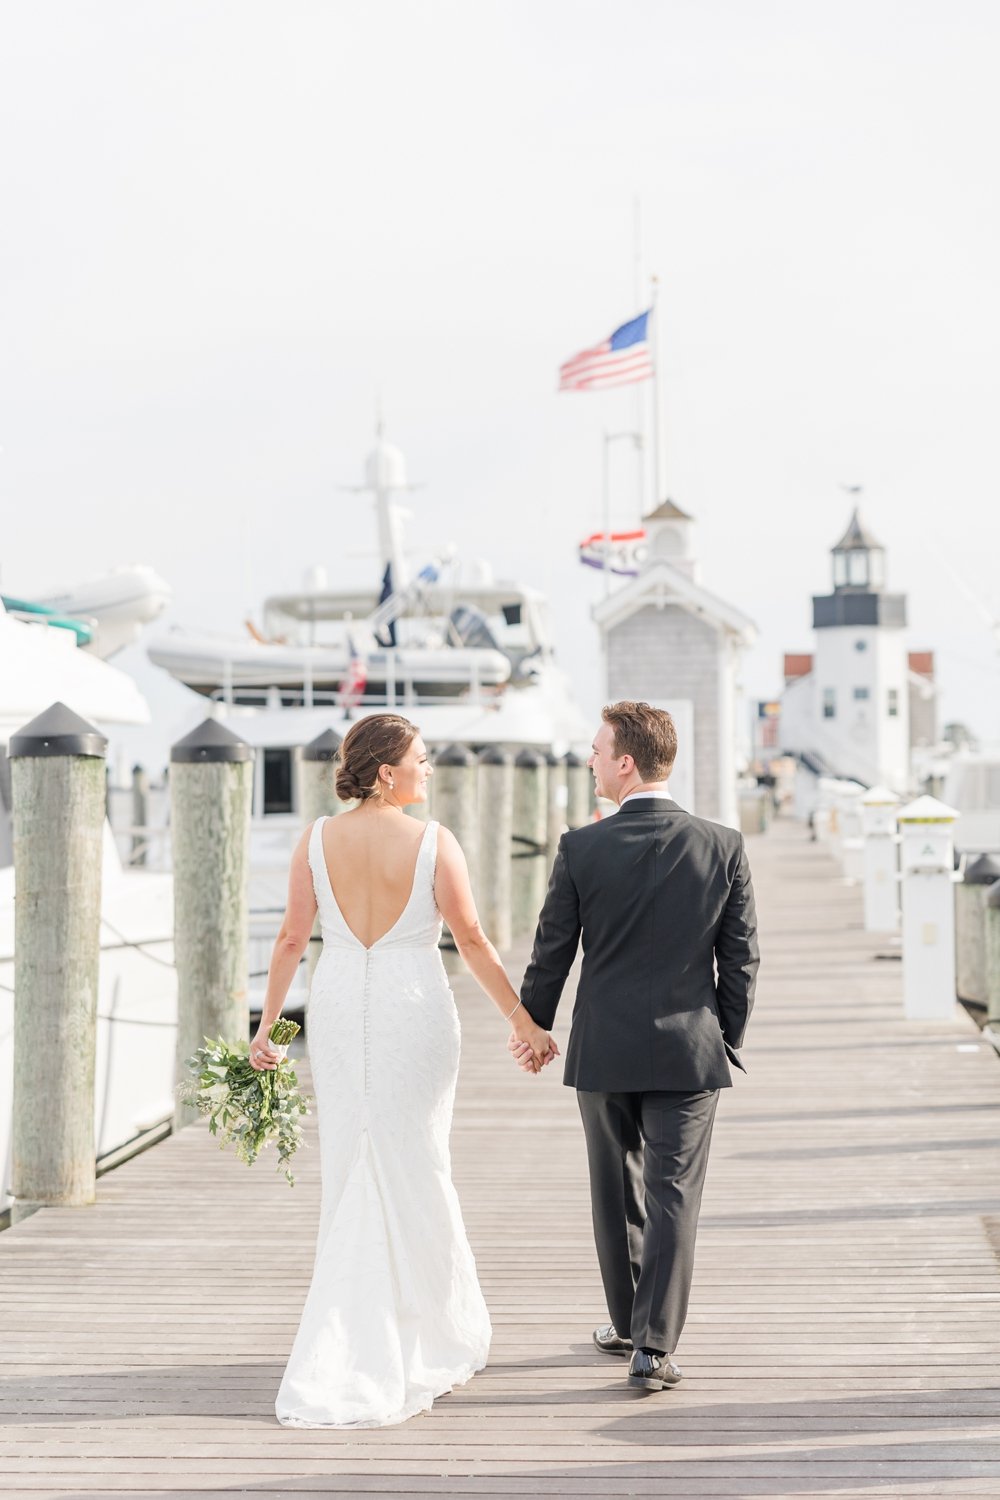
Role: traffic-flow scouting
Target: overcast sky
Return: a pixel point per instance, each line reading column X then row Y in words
column 225, row 226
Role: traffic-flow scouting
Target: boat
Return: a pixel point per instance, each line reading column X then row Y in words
column 471, row 656
column 102, row 614
column 468, row 657
column 40, row 663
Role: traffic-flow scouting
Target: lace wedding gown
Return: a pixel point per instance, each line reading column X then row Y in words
column 394, row 1315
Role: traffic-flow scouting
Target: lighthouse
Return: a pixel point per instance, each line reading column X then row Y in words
column 849, row 702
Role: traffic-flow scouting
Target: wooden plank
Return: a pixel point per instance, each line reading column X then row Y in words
column 845, row 1323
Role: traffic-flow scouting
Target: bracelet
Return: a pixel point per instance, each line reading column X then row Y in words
column 516, row 1008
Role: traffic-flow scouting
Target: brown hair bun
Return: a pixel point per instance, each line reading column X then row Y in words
column 378, row 740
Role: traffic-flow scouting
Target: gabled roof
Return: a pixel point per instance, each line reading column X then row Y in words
column 857, row 536
column 797, row 664
column 668, row 511
column 661, row 583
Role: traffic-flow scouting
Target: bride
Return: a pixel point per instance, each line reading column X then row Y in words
column 394, row 1315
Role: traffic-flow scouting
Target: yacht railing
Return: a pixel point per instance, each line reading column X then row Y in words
column 398, row 693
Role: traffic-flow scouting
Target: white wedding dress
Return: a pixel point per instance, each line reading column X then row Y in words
column 394, row 1315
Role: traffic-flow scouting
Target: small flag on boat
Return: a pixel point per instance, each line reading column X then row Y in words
column 388, row 636
column 623, row 359
column 352, row 689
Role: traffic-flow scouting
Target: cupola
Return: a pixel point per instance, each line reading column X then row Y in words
column 669, row 536
column 858, row 560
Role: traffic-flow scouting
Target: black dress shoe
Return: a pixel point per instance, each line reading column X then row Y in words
column 651, row 1372
column 608, row 1342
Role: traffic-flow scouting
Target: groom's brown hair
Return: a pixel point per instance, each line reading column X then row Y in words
column 647, row 734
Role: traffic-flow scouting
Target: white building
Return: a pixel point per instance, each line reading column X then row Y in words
column 669, row 642
column 847, row 706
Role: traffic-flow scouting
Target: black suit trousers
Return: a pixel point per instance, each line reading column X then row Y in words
column 648, row 1153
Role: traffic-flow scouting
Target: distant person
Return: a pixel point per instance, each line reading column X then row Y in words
column 394, row 1316
column 665, row 906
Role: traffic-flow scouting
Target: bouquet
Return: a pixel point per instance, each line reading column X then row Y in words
column 247, row 1108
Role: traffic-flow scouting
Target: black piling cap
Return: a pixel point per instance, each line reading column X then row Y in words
column 211, row 741
column 494, row 755
column 325, row 746
column 58, row 731
column 530, row 760
column 552, row 759
column 455, row 755
column 983, row 871
column 572, row 761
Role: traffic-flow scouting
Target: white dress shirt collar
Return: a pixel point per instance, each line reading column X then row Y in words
column 664, row 796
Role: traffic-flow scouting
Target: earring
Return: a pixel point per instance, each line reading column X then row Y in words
column 392, row 786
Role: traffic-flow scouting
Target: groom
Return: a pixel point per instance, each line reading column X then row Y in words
column 666, row 909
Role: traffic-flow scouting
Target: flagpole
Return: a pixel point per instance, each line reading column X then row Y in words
column 640, row 395
column 657, row 434
column 606, row 509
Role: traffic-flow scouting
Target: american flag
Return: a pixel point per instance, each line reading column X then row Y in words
column 623, row 359
column 352, row 689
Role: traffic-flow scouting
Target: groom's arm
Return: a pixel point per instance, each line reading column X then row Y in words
column 556, row 939
column 737, row 956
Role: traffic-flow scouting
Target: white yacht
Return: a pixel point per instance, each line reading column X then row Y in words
column 40, row 663
column 471, row 661
column 104, row 614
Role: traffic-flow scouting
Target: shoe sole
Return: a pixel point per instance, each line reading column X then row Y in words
column 647, row 1383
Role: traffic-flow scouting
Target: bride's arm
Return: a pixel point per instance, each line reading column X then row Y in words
column 289, row 946
column 453, row 894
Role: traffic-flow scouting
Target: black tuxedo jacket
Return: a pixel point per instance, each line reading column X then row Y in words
column 666, row 910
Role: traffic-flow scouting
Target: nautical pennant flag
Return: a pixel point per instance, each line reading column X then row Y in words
column 623, row 359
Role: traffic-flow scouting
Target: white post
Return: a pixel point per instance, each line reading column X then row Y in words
column 928, row 879
column 880, row 858
column 852, row 849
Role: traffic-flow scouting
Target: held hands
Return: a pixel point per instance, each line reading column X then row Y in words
column 530, row 1046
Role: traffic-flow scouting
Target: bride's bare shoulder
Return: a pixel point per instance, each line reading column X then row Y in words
column 448, row 847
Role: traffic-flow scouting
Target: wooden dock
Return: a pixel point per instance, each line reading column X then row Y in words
column 844, row 1336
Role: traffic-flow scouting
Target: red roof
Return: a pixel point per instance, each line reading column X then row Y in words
column 922, row 662
column 797, row 664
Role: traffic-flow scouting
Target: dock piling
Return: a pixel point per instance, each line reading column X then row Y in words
column 211, row 784
column 455, row 801
column 318, row 798
column 496, row 824
column 579, row 790
column 970, row 927
column 530, row 872
column 58, row 792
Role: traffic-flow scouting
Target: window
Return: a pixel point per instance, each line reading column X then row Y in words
column 829, row 703
column 893, row 703
column 861, row 693
column 858, row 568
column 839, row 569
column 861, row 645
column 277, row 781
